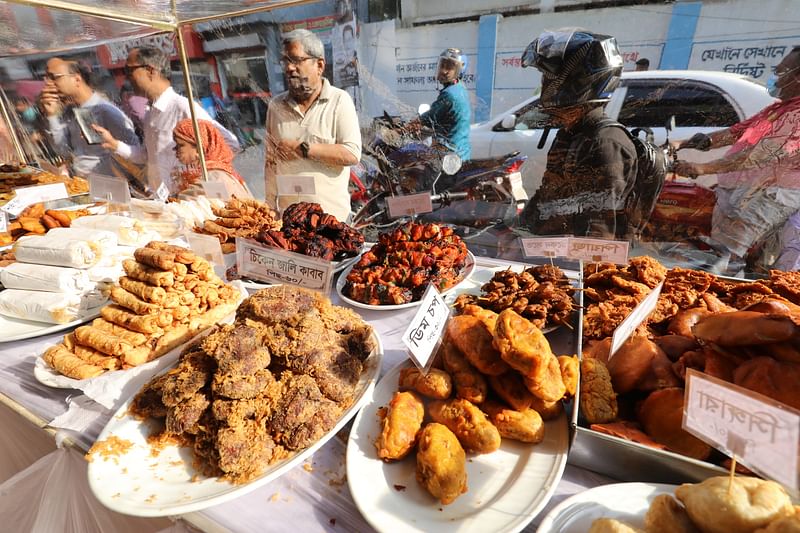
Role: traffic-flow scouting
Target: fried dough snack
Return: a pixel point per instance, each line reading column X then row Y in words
column 148, row 293
column 510, row 387
column 181, row 255
column 134, row 338
column 469, row 424
column 598, row 401
column 547, row 410
column 522, row 345
column 69, row 364
column 472, row 338
column 130, row 301
column 144, row 324
column 155, row 258
column 145, row 274
column 101, row 341
column 524, row 425
column 609, row 525
column 93, row 357
column 400, row 426
column 749, row 503
column 661, row 415
column 666, row 515
column 570, row 373
column 436, row 384
column 441, row 463
column 550, row 386
column 469, row 384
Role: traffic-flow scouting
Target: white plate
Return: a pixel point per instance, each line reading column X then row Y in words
column 14, row 329
column 626, row 502
column 505, row 489
column 466, row 273
column 136, row 483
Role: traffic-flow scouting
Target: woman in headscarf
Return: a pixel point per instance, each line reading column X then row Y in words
column 219, row 160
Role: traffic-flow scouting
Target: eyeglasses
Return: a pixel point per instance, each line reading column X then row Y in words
column 130, row 68
column 53, row 77
column 296, row 61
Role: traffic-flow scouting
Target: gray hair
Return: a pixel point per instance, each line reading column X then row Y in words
column 153, row 57
column 311, row 43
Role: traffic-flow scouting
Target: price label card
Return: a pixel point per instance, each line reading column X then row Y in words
column 3, row 222
column 26, row 196
column 763, row 434
column 409, row 205
column 207, row 247
column 596, row 250
column 296, row 186
column 162, row 193
column 217, row 189
column 545, row 247
column 427, row 327
column 274, row 265
column 632, row 321
column 109, row 188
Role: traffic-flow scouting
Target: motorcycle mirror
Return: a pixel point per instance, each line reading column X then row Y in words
column 451, row 163
column 423, row 108
column 670, row 123
column 508, row 122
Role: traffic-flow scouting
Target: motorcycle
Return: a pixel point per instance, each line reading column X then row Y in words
column 479, row 197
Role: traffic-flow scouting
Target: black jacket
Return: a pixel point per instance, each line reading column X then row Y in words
column 590, row 172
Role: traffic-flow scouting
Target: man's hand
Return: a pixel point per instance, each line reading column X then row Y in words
column 50, row 101
column 285, row 150
column 109, row 142
column 686, row 168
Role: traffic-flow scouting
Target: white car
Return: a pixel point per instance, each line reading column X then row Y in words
column 700, row 101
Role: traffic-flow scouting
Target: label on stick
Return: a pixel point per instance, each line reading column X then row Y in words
column 274, row 265
column 427, row 327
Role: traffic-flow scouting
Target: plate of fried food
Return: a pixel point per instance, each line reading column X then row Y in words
column 717, row 505
column 395, row 272
column 247, row 403
column 478, row 443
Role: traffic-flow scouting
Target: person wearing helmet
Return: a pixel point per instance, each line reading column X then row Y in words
column 450, row 114
column 591, row 169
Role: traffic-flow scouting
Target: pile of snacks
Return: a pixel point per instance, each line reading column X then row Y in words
column 245, row 218
column 399, row 268
column 35, row 220
column 308, row 230
column 167, row 297
column 495, row 377
column 14, row 180
column 256, row 391
column 542, row 294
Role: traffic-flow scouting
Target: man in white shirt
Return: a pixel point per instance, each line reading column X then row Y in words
column 312, row 130
column 67, row 94
column 148, row 70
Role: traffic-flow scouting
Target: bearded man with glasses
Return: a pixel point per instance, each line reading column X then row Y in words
column 312, row 130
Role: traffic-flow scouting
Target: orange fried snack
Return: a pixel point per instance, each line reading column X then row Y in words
column 469, row 384
column 475, row 341
column 570, row 372
column 522, row 345
column 598, row 401
column 524, row 425
column 511, row 389
column 435, row 384
column 661, row 415
column 470, row 425
column 399, row 426
column 441, row 463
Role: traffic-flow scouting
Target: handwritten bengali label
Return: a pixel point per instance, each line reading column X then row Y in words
column 207, row 247
column 632, row 321
column 545, row 246
column 595, row 250
column 296, row 185
column 426, row 328
column 274, row 265
column 762, row 433
column 109, row 188
column 162, row 193
column 409, row 205
column 25, row 196
column 217, row 189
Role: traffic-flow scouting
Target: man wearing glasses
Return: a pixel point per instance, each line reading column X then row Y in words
column 148, row 69
column 312, row 130
column 66, row 96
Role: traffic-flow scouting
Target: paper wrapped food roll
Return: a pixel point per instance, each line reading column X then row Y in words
column 129, row 231
column 49, row 307
column 106, row 239
column 47, row 278
column 57, row 251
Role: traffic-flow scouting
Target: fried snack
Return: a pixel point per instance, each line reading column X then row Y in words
column 775, row 379
column 522, row 345
column 661, row 415
column 148, row 293
column 436, row 384
column 148, row 324
column 130, row 301
column 748, row 503
column 742, row 328
column 93, row 357
column 32, row 224
column 547, row 410
column 598, row 401
column 182, row 255
column 49, row 222
column 101, row 341
column 400, row 425
column 472, row 338
column 469, row 424
column 67, row 363
column 786, row 524
column 570, row 373
column 511, row 389
column 60, row 216
column 441, row 463
column 155, row 258
column 148, row 275
column 469, row 384
column 489, row 318
column 172, row 337
column 640, row 364
column 666, row 515
column 133, row 337
column 549, row 387
column 627, row 430
column 524, row 425
column 609, row 525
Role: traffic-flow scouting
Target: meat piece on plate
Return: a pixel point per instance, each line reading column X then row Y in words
column 302, row 414
column 184, row 416
column 193, row 372
column 238, row 350
column 242, row 387
column 244, row 449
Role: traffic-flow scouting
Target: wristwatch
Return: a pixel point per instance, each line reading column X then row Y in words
column 304, row 149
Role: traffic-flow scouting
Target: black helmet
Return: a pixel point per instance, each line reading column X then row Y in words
column 577, row 66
